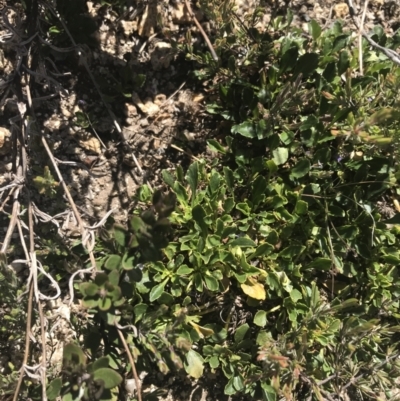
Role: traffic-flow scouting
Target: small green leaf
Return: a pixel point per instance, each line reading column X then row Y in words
column 229, row 388
column 268, row 392
column 181, row 193
column 289, row 58
column 240, row 332
column 120, row 235
column 211, row 283
column 243, row 242
column 260, row 318
column 112, row 262
column 336, row 211
column 104, row 304
column 165, row 299
column 258, row 190
column 88, row 289
column 216, row 146
column 109, row 377
column 321, row 264
column 263, row 250
column 54, row 388
column 156, row 291
column 229, row 178
column 295, row 295
column 244, row 208
column 246, row 129
column 314, row 29
column 301, row 207
column 238, row 383
column 194, row 364
column 139, row 310
column 292, row 251
column 214, row 362
column 199, row 215
column 128, row 262
column 73, row 355
column 281, row 156
column 184, row 270
column 113, row 277
column 349, row 303
column 192, row 178
column 102, row 362
column 168, row 178
column 215, row 182
column 344, row 62
column 307, row 63
column 340, row 42
column 315, row 296
column 90, row 303
column 271, row 166
column 229, row 204
column 322, row 156
column 137, row 224
column 301, row 168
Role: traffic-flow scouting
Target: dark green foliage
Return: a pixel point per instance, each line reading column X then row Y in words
column 273, row 264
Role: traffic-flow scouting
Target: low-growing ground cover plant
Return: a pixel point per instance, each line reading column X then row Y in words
column 281, row 269
column 274, row 264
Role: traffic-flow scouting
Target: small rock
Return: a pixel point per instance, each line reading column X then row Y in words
column 91, row 145
column 160, row 99
column 144, row 122
column 5, row 141
column 180, row 14
column 130, row 386
column 53, row 123
column 148, row 107
column 129, row 27
column 161, row 56
column 130, row 110
column 341, row 10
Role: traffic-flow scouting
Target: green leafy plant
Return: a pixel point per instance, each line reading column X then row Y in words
column 82, row 381
column 273, row 265
column 46, row 184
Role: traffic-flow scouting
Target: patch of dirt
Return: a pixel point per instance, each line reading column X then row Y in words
column 158, row 111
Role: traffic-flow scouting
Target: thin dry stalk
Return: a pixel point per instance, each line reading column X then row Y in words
column 200, row 28
column 391, row 54
column 184, row 151
column 360, row 36
column 132, row 362
column 27, row 341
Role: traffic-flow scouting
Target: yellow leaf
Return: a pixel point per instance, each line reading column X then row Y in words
column 254, row 289
column 194, row 365
column 202, row 331
column 327, row 95
column 396, row 204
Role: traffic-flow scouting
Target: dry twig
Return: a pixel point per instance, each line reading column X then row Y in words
column 391, row 54
column 132, row 362
column 210, row 46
